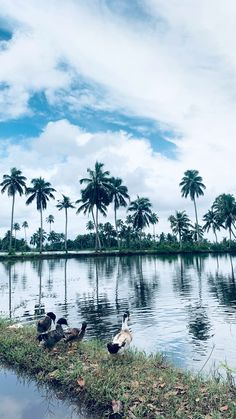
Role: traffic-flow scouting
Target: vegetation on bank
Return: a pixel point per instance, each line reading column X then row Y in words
column 101, row 190
column 134, row 386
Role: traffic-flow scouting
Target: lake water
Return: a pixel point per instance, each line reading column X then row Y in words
column 184, row 307
column 23, row 399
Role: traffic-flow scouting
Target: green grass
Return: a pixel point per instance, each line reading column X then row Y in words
column 143, row 386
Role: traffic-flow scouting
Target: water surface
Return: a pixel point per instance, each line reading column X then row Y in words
column 22, row 399
column 182, row 306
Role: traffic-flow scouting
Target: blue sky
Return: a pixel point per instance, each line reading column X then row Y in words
column 147, row 87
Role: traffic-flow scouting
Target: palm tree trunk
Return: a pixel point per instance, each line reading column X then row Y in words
column 41, row 230
column 66, row 231
column 98, row 242
column 12, row 216
column 94, row 222
column 180, row 240
column 15, row 239
column 195, row 208
column 216, row 236
column 230, row 237
column 118, row 241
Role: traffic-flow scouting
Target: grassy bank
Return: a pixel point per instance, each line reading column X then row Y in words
column 139, row 386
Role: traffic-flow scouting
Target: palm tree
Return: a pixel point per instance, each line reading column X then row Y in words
column 90, row 226
column 192, row 186
column 38, row 237
column 119, row 195
column 142, row 214
column 25, row 225
column 212, row 221
column 65, row 203
column 97, row 193
column 41, row 192
column 13, row 184
column 179, row 223
column 154, row 221
column 50, row 219
column 225, row 208
column 16, row 227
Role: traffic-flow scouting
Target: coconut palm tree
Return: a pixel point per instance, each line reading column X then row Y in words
column 16, row 227
column 154, row 221
column 90, row 226
column 212, row 221
column 40, row 191
column 50, row 220
column 225, row 208
column 192, row 186
column 13, row 184
column 119, row 196
column 142, row 213
column 25, row 225
column 179, row 223
column 96, row 194
column 65, row 203
column 38, row 237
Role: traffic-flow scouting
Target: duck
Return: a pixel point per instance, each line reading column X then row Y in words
column 49, row 339
column 121, row 341
column 75, row 334
column 45, row 324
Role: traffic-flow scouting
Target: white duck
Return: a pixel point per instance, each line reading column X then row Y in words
column 121, row 340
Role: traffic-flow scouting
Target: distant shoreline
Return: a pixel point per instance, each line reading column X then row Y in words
column 93, row 253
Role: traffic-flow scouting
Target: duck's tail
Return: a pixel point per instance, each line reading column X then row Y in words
column 114, row 348
column 42, row 337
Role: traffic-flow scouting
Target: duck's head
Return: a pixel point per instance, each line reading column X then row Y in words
column 52, row 316
column 84, row 325
column 126, row 315
column 62, row 321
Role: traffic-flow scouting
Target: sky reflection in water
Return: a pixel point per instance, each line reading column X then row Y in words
column 180, row 306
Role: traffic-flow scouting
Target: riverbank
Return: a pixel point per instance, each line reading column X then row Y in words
column 93, row 253
column 137, row 385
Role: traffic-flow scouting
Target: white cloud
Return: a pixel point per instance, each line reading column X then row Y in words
column 177, row 68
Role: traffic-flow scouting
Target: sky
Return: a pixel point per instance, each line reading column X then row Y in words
column 147, row 87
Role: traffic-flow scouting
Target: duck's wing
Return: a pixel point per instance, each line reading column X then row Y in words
column 122, row 338
column 71, row 334
column 44, row 324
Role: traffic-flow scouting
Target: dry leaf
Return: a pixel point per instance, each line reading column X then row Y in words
column 81, row 382
column 131, row 415
column 208, row 417
column 224, row 408
column 116, row 406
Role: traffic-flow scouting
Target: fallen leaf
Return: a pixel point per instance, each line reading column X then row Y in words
column 81, row 382
column 170, row 393
column 116, row 406
column 131, row 415
column 208, row 417
column 224, row 408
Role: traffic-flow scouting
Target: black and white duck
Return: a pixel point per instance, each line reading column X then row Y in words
column 121, row 340
column 50, row 339
column 44, row 325
column 75, row 334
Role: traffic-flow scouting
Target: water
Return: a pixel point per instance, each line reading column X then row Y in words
column 184, row 307
column 23, row 399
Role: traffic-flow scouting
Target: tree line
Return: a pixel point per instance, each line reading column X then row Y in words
column 99, row 191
